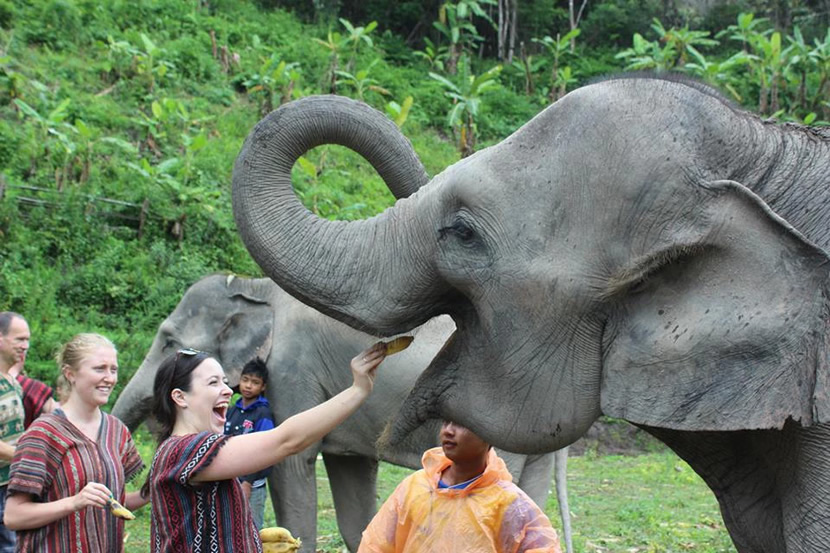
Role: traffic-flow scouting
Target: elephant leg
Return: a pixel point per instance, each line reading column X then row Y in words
column 772, row 485
column 294, row 496
column 353, row 481
column 535, row 481
column 804, row 484
column 515, row 466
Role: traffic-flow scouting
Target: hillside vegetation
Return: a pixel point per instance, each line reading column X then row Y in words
column 120, row 122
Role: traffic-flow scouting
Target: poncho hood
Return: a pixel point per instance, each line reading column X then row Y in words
column 435, row 462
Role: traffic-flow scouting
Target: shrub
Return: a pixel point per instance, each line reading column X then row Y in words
column 6, row 14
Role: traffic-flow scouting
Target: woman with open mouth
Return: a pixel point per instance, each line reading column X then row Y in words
column 198, row 503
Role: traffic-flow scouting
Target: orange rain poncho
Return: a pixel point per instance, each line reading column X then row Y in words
column 491, row 515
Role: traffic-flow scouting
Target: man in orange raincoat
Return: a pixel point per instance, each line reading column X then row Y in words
column 463, row 500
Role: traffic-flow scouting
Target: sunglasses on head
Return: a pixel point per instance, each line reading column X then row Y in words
column 189, row 352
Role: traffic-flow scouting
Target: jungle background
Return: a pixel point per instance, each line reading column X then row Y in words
column 120, row 122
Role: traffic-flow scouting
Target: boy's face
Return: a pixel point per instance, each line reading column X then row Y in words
column 251, row 386
column 460, row 444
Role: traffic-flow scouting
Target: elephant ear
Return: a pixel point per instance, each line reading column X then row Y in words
column 727, row 329
column 247, row 332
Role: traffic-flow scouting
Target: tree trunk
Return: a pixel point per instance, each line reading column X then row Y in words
column 514, row 23
column 575, row 19
column 528, row 73
column 501, row 31
column 781, row 15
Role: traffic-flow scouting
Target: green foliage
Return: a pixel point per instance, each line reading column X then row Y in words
column 7, row 12
column 361, row 82
column 559, row 51
column 147, row 102
column 466, row 95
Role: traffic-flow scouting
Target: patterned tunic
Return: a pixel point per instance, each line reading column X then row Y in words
column 11, row 419
column 35, row 395
column 205, row 517
column 53, row 460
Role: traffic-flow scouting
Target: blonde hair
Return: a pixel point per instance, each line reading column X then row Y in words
column 73, row 352
column 62, row 388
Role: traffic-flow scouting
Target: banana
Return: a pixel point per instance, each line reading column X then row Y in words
column 275, row 534
column 119, row 510
column 398, row 344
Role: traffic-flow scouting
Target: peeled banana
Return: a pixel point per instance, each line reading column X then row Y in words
column 398, row 344
column 278, row 540
column 119, row 510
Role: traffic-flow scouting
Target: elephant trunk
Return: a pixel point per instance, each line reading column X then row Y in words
column 356, row 272
column 134, row 402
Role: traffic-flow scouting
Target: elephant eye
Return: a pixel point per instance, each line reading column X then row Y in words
column 460, row 229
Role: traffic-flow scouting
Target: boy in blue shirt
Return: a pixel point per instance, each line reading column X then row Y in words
column 252, row 413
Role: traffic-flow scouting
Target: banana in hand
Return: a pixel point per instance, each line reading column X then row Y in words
column 119, row 510
column 398, row 344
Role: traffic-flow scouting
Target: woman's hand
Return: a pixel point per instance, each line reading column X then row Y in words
column 93, row 494
column 365, row 364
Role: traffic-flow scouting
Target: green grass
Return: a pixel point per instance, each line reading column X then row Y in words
column 651, row 503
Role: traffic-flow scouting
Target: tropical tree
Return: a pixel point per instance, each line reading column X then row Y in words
column 361, row 82
column 768, row 60
column 334, row 44
column 466, row 95
column 434, row 55
column 718, row 73
column 455, row 23
column 558, row 48
column 681, row 41
column 744, row 31
column 356, row 37
column 799, row 63
column 821, row 57
column 275, row 80
column 647, row 54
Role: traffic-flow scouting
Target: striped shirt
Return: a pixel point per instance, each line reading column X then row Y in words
column 53, row 460
column 203, row 517
column 35, row 396
column 11, row 418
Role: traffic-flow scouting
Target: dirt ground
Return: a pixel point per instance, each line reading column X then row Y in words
column 610, row 436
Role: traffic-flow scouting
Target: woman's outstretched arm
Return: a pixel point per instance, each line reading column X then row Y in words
column 250, row 453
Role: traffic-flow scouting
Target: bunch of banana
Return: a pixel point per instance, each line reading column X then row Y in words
column 278, row 540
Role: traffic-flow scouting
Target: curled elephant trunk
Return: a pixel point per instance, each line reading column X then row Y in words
column 358, row 272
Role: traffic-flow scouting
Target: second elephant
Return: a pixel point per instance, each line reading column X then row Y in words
column 308, row 357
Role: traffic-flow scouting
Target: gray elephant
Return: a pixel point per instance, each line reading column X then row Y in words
column 641, row 248
column 308, row 356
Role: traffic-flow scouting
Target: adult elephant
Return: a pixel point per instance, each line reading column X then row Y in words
column 641, row 248
column 308, row 355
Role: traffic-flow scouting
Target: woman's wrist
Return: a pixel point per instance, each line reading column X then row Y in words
column 363, row 390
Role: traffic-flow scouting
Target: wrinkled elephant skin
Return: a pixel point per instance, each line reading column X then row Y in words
column 641, row 248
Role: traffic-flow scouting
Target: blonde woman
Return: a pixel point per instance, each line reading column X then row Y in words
column 68, row 462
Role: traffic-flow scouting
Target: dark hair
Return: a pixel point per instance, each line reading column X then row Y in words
column 176, row 371
column 6, row 318
column 256, row 367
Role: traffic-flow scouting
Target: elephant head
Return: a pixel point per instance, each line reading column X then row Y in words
column 231, row 318
column 631, row 250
